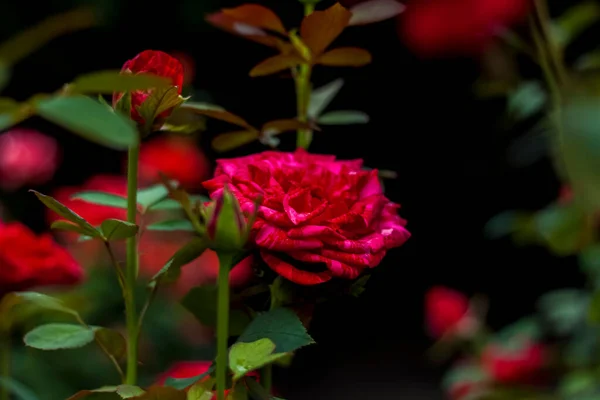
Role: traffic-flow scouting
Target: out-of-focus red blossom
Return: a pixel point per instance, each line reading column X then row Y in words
column 151, row 62
column 189, row 66
column 446, row 311
column 28, row 260
column 189, row 369
column 176, row 157
column 156, row 248
column 514, row 365
column 457, row 27
column 93, row 213
column 319, row 219
column 27, row 157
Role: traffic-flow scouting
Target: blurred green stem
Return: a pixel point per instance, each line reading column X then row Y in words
column 4, row 363
column 131, row 268
column 303, row 89
column 225, row 260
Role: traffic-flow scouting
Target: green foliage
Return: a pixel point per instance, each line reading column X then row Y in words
column 528, row 99
column 172, row 225
column 102, row 198
column 109, row 392
column 280, row 325
column 321, row 97
column 201, row 390
column 201, row 301
column 188, row 253
column 346, row 117
column 59, row 337
column 576, row 20
column 108, row 82
column 160, row 100
column 256, row 391
column 187, row 382
column 565, row 310
column 87, row 117
column 247, row 357
column 20, row 391
column 67, row 214
column 162, row 393
column 114, row 229
column 17, row 303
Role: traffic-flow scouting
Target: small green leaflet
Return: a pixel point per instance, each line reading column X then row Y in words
column 59, row 336
column 246, row 357
column 102, row 198
column 107, row 82
column 343, row 117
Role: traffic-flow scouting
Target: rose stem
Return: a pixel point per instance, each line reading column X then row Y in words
column 303, row 88
column 4, row 364
column 225, row 260
column 131, row 268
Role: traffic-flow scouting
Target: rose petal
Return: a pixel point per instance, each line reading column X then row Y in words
column 273, row 238
column 292, row 273
column 337, row 268
column 296, row 202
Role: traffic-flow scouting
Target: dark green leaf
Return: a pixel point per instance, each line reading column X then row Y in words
column 172, row 225
column 565, row 309
column 101, row 100
column 282, row 326
column 358, row 287
column 108, row 82
column 187, row 382
column 66, row 213
column 160, row 100
column 257, row 392
column 563, row 229
column 90, row 119
column 528, row 99
column 201, row 390
column 239, row 392
column 172, row 204
column 321, row 97
column 4, row 75
column 114, row 229
column 575, row 20
column 112, row 341
column 123, row 105
column 150, row 196
column 514, row 336
column 20, row 391
column 247, row 357
column 182, row 257
column 109, row 392
column 59, row 336
column 343, row 117
column 201, row 301
column 64, row 225
column 589, row 262
column 34, row 299
column 102, row 198
column 588, row 61
column 216, row 112
column 577, row 384
column 162, row 393
column 466, row 373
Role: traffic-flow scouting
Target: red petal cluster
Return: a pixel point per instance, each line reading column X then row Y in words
column 151, row 62
column 445, row 309
column 319, row 219
column 27, row 260
column 463, row 27
column 509, row 366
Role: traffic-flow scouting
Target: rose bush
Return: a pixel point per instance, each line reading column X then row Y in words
column 151, row 62
column 27, row 260
column 320, row 218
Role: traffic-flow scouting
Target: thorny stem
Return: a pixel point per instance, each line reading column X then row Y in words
column 225, row 260
column 116, row 265
column 303, row 89
column 4, row 363
column 131, row 268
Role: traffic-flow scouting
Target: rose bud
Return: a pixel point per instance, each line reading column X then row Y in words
column 156, row 63
column 514, row 365
column 226, row 226
column 447, row 312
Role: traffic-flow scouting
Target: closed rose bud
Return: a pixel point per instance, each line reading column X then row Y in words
column 514, row 365
column 446, row 311
column 156, row 63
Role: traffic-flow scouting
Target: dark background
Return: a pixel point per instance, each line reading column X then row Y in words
column 448, row 147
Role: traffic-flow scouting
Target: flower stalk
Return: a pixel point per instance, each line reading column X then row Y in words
column 225, row 261
column 131, row 269
column 303, row 89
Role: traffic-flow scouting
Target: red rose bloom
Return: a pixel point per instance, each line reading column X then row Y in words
column 521, row 365
column 176, row 157
column 27, row 157
column 464, row 27
column 320, row 218
column 93, row 213
column 445, row 310
column 151, row 62
column 27, row 260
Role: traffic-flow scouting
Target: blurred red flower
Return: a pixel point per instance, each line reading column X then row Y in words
column 177, row 157
column 446, row 311
column 514, row 365
column 93, row 213
column 27, row 260
column 457, row 27
column 27, row 157
column 319, row 219
column 189, row 66
column 151, row 62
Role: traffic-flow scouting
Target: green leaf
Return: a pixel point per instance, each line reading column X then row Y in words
column 102, row 101
column 579, row 383
column 589, row 262
column 563, row 229
column 123, row 105
column 184, row 120
column 65, row 225
column 239, row 392
column 20, row 391
column 581, row 350
column 172, row 204
column 172, row 225
column 107, row 82
column 59, row 336
column 187, row 382
column 588, row 61
column 151, row 195
column 110, row 392
column 34, row 299
column 526, row 100
column 344, row 117
column 101, row 198
column 217, row 112
column 4, row 75
column 112, row 341
column 565, row 309
column 282, row 326
column 257, row 392
column 66, row 213
column 246, row 357
column 90, row 119
column 185, row 255
column 514, row 336
column 358, row 287
column 160, row 100
column 321, row 97
column 201, row 301
column 574, row 21
column 464, row 373
column 115, row 229
column 162, row 393
column 201, row 390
